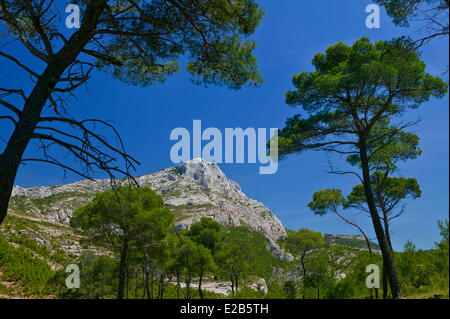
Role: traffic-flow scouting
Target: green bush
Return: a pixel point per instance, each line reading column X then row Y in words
column 33, row 276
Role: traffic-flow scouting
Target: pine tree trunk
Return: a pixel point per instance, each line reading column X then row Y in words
column 386, row 229
column 302, row 259
column 385, row 283
column 136, row 285
column 382, row 240
column 127, row 281
column 29, row 117
column 200, row 284
column 147, row 285
column 162, row 286
column 232, row 284
column 388, row 237
column 122, row 271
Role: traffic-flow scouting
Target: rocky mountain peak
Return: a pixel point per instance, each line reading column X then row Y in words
column 193, row 190
column 207, row 175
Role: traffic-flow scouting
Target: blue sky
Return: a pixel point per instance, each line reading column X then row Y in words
column 290, row 34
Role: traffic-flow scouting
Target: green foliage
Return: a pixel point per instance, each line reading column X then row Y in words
column 345, row 288
column 425, row 273
column 404, row 11
column 388, row 145
column 442, row 262
column 326, row 200
column 290, row 289
column 260, row 261
column 123, row 219
column 319, row 275
column 390, row 194
column 98, row 278
column 210, row 33
column 237, row 254
column 125, row 214
column 32, row 275
column 206, row 232
column 390, row 191
column 233, row 260
column 145, row 42
column 190, row 259
column 353, row 285
column 299, row 244
column 350, row 99
column 352, row 90
column 21, row 230
column 303, row 241
column 415, row 267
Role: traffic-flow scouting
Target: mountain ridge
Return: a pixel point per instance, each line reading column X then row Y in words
column 192, row 190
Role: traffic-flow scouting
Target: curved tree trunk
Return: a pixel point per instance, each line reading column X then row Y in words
column 302, row 260
column 388, row 237
column 357, row 226
column 382, row 240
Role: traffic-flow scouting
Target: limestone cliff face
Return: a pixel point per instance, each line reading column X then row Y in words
column 193, row 189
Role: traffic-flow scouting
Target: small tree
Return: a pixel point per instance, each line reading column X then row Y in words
column 175, row 264
column 390, row 194
column 352, row 92
column 120, row 218
column 185, row 256
column 190, row 259
column 153, row 261
column 389, row 191
column 98, row 275
column 290, row 289
column 233, row 260
column 205, row 263
column 301, row 242
column 318, row 273
column 415, row 266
